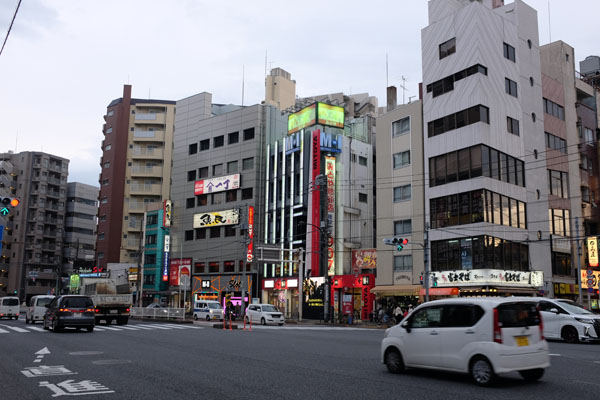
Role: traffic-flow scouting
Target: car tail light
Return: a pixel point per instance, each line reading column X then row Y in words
column 96, row 310
column 1, row 315
column 127, row 310
column 541, row 324
column 90, row 310
column 64, row 310
column 497, row 331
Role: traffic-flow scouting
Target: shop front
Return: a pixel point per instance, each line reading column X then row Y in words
column 566, row 291
column 390, row 296
column 283, row 294
column 489, row 282
column 352, row 296
column 223, row 288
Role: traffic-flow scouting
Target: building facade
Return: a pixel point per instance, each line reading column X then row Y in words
column 136, row 171
column 33, row 242
column 485, row 160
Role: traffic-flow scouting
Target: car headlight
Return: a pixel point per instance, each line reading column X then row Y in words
column 387, row 332
column 585, row 320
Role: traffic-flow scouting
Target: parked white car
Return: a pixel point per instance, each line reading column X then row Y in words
column 9, row 307
column 479, row 336
column 264, row 314
column 208, row 310
column 37, row 308
column 565, row 320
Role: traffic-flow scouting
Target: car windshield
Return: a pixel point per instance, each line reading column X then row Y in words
column 43, row 301
column 77, row 302
column 269, row 308
column 10, row 302
column 572, row 308
column 214, row 306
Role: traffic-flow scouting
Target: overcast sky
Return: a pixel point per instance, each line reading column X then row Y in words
column 65, row 60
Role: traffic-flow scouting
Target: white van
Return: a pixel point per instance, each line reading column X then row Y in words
column 37, row 308
column 478, row 336
column 208, row 310
column 9, row 307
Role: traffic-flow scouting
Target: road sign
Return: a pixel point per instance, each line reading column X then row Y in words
column 590, row 290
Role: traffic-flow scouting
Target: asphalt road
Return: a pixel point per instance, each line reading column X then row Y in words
column 158, row 361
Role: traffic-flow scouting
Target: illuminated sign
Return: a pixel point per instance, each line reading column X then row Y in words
column 166, row 249
column 214, row 185
column 218, row 218
column 249, row 252
column 477, row 277
column 592, row 246
column 330, row 175
column 364, row 259
column 167, row 207
column 590, row 280
column 315, row 206
column 329, row 142
column 303, row 118
column 330, row 115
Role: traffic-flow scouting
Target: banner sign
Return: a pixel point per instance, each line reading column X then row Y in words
column 590, row 279
column 250, row 249
column 214, row 185
column 330, row 175
column 218, row 218
column 166, row 250
column 313, row 290
column 303, row 118
column 477, row 277
column 167, row 207
column 592, row 246
column 316, row 204
column 364, row 259
column 330, row 115
column 175, row 267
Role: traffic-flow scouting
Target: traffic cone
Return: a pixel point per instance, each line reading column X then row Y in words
column 244, row 323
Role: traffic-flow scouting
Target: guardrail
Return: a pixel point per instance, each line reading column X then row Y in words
column 157, row 313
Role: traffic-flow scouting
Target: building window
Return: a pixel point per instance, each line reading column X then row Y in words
column 219, row 141
column 203, row 172
column 462, row 118
column 446, row 84
column 215, row 232
column 213, row 267
column 191, row 175
column 510, row 87
column 105, row 182
column 403, row 227
column 513, row 125
column 554, row 109
column 150, row 239
column 189, row 203
column 204, row 144
column 229, row 230
column 559, row 183
column 589, row 136
column 151, row 220
column 447, row 48
column 200, row 233
column 402, row 193
column 217, row 198
column 104, row 200
column 555, row 143
column 189, row 235
column 230, row 195
column 249, row 134
column 247, row 163
column 247, row 194
column 362, row 198
column 585, row 194
column 509, row 52
column 109, row 130
column 402, row 263
column 202, row 199
column 560, row 223
column 232, row 166
column 107, row 164
column 150, row 259
column 107, row 147
column 192, row 148
column 101, row 236
column 229, row 266
column 217, row 169
column 233, row 138
column 401, row 127
column 561, row 264
column 401, row 159
column 110, row 113
column 362, row 161
column 199, row 268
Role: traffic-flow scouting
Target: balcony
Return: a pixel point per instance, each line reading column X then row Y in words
column 145, row 189
column 149, row 118
column 8, row 167
column 53, row 193
column 146, row 153
column 8, row 181
column 140, row 135
column 49, row 247
column 137, row 206
column 49, row 232
column 54, row 181
column 49, row 220
column 133, row 243
column 144, row 171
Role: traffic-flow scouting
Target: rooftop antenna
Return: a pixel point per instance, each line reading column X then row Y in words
column 265, row 67
column 387, row 83
column 243, row 71
column 403, row 86
column 549, row 23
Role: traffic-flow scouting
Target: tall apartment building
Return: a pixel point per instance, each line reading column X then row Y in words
column 33, row 240
column 400, row 200
column 136, row 171
column 485, row 160
column 80, row 227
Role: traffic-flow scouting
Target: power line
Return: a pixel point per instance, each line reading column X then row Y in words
column 10, row 27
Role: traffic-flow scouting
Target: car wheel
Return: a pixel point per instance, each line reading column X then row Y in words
column 262, row 321
column 482, row 371
column 44, row 324
column 532, row 375
column 55, row 327
column 208, row 318
column 393, row 361
column 90, row 328
column 570, row 335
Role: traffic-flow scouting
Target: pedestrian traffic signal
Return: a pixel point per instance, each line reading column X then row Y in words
column 421, row 279
column 434, row 280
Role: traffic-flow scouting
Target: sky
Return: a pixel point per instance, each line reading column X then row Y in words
column 66, row 60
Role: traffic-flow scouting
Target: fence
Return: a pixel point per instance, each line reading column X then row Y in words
column 157, row 313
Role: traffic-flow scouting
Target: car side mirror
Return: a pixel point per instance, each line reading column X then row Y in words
column 406, row 325
column 554, row 310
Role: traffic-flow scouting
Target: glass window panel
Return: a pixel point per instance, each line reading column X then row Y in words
column 475, row 161
column 485, row 161
column 477, row 206
column 524, row 259
column 512, row 175
column 514, row 213
column 452, row 167
column 520, row 173
column 440, row 170
column 506, row 247
column 477, row 252
column 466, row 254
column 465, row 208
column 432, row 172
column 496, row 207
column 503, row 167
column 454, row 254
column 464, row 164
column 498, row 254
column 522, row 216
column 516, row 255
column 505, row 211
column 453, row 210
column 495, row 164
column 567, row 223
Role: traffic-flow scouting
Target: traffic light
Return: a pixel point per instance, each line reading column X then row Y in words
column 421, row 279
column 6, row 203
column 434, row 280
column 400, row 243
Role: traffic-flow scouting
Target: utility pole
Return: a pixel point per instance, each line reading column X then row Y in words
column 245, row 255
column 301, row 282
column 426, row 260
column 578, row 260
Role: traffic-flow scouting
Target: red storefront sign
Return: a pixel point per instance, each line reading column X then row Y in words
column 316, row 203
column 176, row 265
column 250, row 250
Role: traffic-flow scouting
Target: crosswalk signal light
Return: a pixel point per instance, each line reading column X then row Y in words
column 421, row 279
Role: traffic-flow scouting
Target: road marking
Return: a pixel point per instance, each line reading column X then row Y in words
column 3, row 331
column 16, row 329
column 33, row 328
column 72, row 388
column 111, row 329
column 138, row 326
column 155, row 326
column 556, row 355
column 98, row 329
column 180, row 326
column 128, row 328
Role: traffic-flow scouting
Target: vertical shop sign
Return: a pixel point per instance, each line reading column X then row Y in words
column 166, row 249
column 592, row 245
column 250, row 250
column 330, row 175
column 316, row 202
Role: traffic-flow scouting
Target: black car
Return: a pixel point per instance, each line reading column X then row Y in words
column 70, row 311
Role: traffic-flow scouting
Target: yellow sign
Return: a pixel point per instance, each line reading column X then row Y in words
column 592, row 246
column 590, row 281
column 303, row 118
column 331, row 115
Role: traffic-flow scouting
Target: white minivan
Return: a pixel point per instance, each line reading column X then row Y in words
column 37, row 308
column 208, row 310
column 9, row 307
column 479, row 336
column 565, row 320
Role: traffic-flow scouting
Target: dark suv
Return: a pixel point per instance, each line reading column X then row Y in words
column 70, row 311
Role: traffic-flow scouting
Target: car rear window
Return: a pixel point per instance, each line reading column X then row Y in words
column 10, row 302
column 43, row 301
column 513, row 315
column 77, row 302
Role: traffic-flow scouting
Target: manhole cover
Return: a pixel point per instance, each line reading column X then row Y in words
column 85, row 353
column 111, row 362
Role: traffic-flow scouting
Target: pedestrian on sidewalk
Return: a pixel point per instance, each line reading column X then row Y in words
column 398, row 314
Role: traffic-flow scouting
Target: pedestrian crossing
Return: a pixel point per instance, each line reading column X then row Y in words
column 4, row 328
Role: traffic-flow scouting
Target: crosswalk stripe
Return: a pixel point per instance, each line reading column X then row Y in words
column 156, row 326
column 129, row 328
column 16, row 329
column 110, row 328
column 176, row 326
column 138, row 326
column 35, row 328
column 99, row 329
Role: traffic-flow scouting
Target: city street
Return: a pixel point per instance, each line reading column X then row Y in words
column 152, row 360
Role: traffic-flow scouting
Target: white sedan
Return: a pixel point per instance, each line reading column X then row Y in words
column 265, row 314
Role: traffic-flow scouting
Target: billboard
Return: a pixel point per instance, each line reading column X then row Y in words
column 330, row 175
column 303, row 118
column 330, row 115
column 167, row 208
column 214, row 185
column 315, row 207
column 217, row 218
column 364, row 259
column 179, row 266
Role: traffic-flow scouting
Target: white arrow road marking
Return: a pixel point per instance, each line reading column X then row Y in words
column 16, row 329
column 40, row 354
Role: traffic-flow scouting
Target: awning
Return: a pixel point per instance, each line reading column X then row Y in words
column 445, row 291
column 397, row 290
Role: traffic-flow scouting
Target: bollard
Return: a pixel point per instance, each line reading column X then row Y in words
column 229, row 321
column 244, row 323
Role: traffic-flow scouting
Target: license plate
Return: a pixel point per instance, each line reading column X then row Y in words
column 522, row 340
column 77, row 315
column 113, row 311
